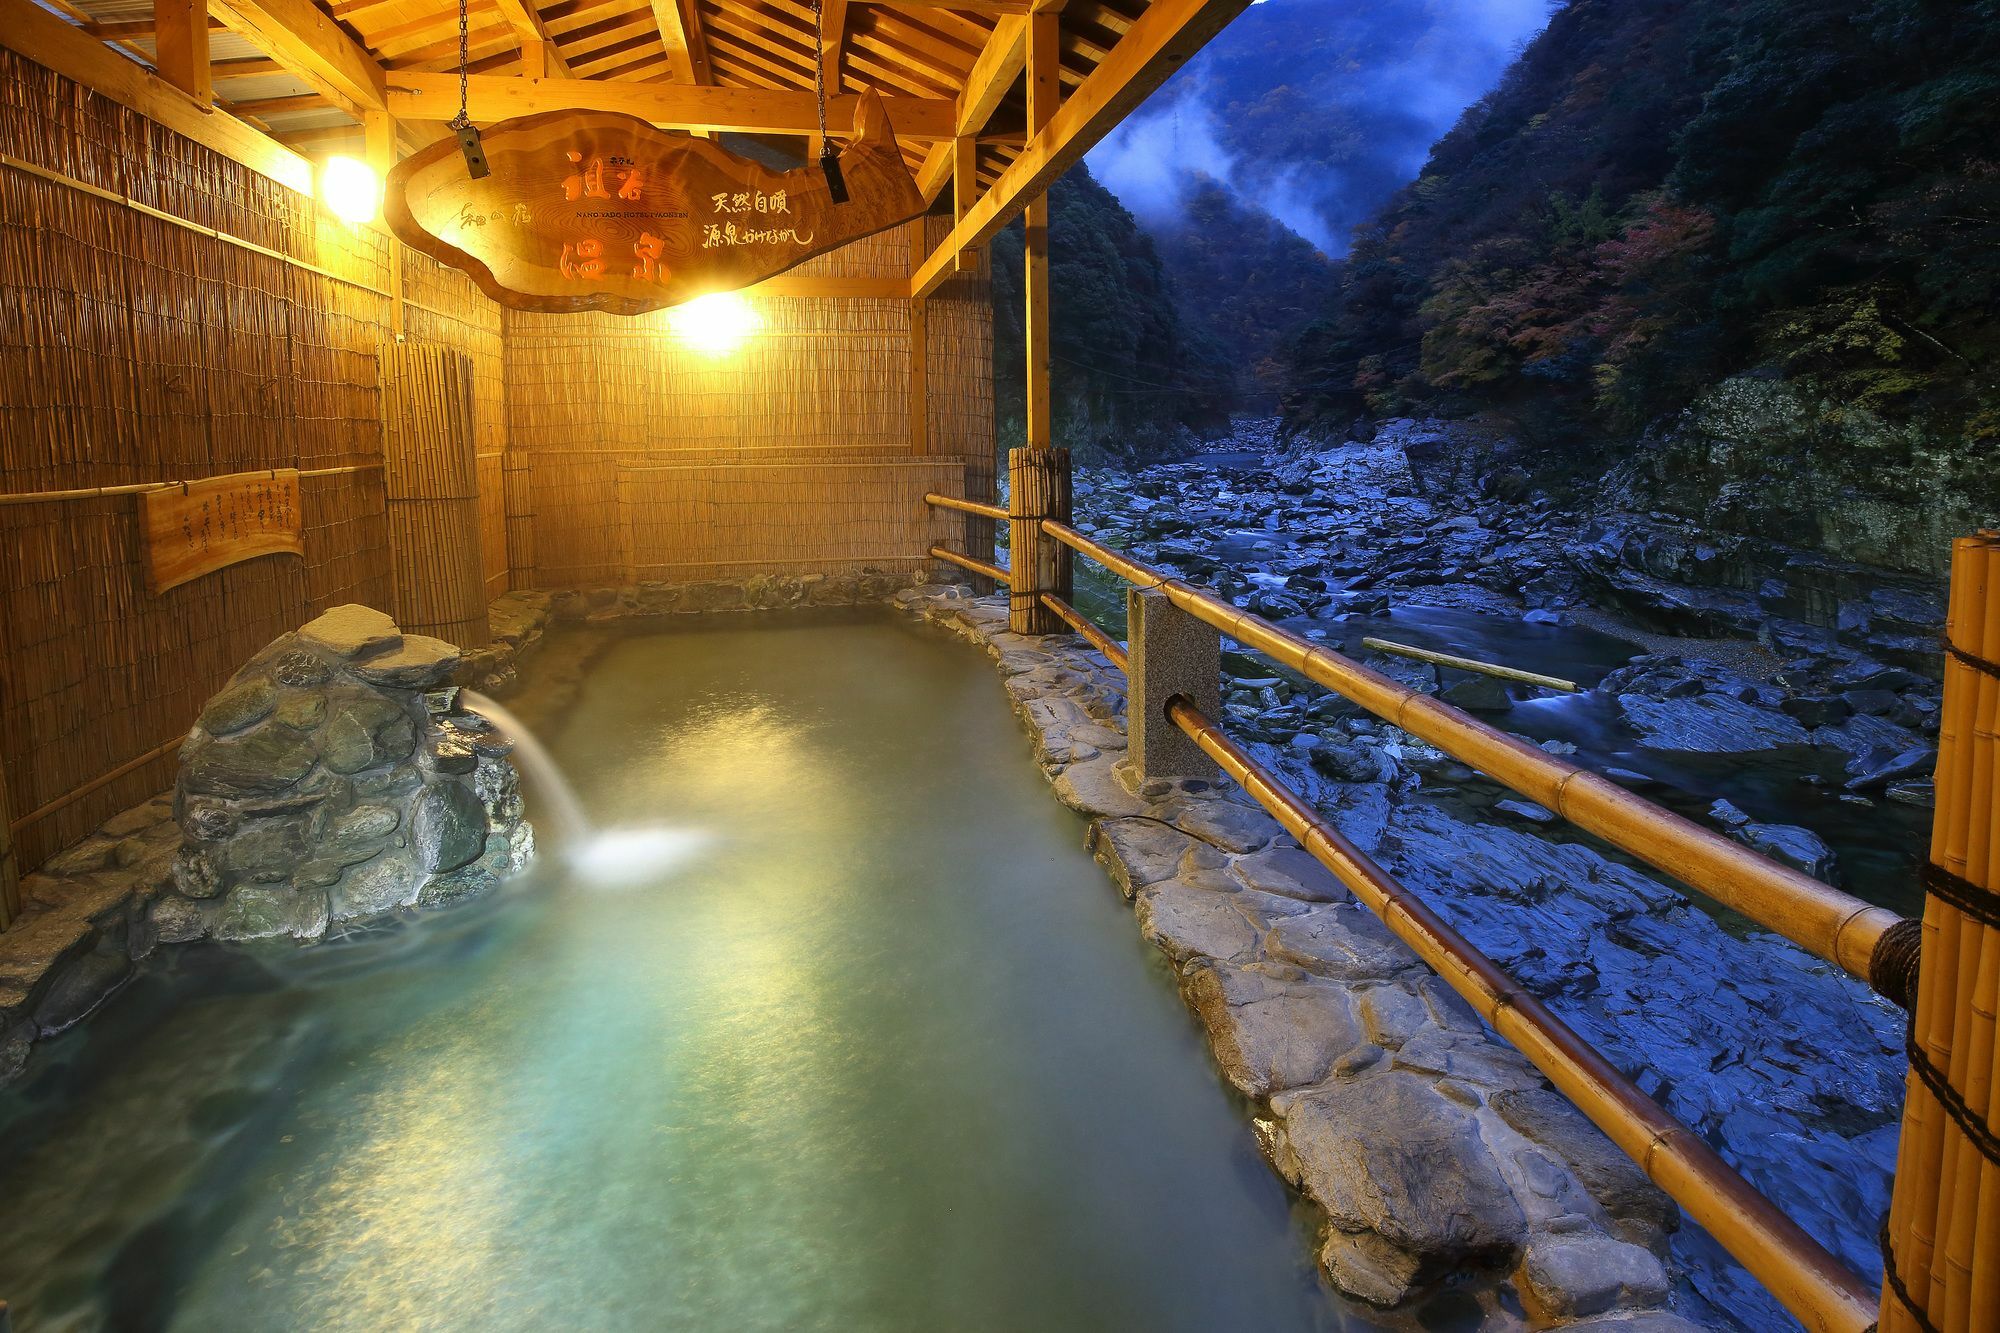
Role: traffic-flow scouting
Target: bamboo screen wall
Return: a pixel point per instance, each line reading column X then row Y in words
column 136, row 350
column 648, row 458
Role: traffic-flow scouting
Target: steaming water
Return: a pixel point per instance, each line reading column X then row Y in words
column 879, row 1049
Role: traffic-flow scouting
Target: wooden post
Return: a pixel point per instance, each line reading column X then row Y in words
column 1037, row 489
column 920, row 395
column 1942, row 1259
column 964, row 193
column 180, row 34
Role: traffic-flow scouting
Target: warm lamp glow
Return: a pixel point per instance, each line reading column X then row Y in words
column 350, row 187
column 716, row 324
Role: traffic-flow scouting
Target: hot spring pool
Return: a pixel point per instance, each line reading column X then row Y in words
column 882, row 1050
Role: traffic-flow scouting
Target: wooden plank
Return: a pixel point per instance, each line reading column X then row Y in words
column 201, row 526
column 1160, row 42
column 297, row 35
column 674, row 106
column 33, row 32
column 181, row 41
column 680, row 33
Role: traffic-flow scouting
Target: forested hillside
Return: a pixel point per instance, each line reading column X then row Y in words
column 1131, row 377
column 1777, row 219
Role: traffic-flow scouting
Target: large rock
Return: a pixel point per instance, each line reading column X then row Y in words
column 320, row 787
column 1406, row 1207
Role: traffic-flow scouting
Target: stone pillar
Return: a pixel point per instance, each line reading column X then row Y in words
column 1172, row 654
column 1038, row 489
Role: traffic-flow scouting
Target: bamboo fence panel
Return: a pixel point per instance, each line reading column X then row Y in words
column 449, row 309
column 135, row 350
column 697, row 520
column 431, row 478
column 959, row 354
column 1942, row 1240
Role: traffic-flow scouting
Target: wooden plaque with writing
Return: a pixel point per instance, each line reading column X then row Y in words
column 593, row 210
column 198, row 527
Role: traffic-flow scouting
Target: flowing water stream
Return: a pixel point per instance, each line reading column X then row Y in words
column 870, row 1044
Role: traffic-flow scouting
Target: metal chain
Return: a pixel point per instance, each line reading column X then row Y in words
column 819, row 65
column 464, row 67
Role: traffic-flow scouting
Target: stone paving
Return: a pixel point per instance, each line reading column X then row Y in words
column 1432, row 1148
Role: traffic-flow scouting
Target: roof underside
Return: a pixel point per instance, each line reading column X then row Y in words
column 900, row 48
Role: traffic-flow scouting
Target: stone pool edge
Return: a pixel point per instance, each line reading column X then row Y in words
column 1333, row 1030
column 90, row 908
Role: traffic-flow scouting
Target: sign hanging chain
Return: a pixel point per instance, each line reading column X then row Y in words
column 468, row 133
column 829, row 156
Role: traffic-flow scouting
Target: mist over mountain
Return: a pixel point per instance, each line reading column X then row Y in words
column 1315, row 111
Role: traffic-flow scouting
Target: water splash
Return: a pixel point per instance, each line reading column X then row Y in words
column 540, row 766
column 610, row 858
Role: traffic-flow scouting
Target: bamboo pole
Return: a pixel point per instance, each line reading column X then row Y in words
column 1471, row 664
column 1822, row 920
column 1942, row 1250
column 1104, row 643
column 1795, row 1268
column 965, row 506
column 146, row 487
column 979, row 567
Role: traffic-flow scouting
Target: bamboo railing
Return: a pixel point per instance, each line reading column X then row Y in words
column 1825, row 922
column 1866, row 941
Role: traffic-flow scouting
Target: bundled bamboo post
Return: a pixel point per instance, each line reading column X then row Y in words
column 1038, row 490
column 1941, row 1244
column 432, row 483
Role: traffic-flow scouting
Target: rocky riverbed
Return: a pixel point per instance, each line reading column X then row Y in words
column 1787, row 699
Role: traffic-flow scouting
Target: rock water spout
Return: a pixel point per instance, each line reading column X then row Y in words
column 605, row 858
column 534, row 759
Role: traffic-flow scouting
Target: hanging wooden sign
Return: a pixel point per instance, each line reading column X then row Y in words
column 197, row 527
column 594, row 210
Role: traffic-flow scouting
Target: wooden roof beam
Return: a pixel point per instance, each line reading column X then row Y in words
column 539, row 56
column 1160, row 42
column 300, row 37
column 680, row 33
column 419, row 96
column 180, row 41
column 32, row 31
column 986, row 86
column 833, row 42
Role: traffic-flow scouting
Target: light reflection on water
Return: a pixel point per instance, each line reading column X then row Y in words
column 883, row 1050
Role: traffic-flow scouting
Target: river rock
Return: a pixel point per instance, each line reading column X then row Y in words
column 1799, row 848
column 1272, row 1032
column 294, row 781
column 1708, row 724
column 1565, row 1277
column 1408, row 1207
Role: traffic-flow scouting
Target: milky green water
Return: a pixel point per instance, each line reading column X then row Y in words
column 884, row 1051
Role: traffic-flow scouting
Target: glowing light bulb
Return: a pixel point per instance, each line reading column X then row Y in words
column 716, row 324
column 350, row 187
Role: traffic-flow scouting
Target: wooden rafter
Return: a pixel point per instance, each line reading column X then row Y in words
column 521, row 16
column 33, row 32
column 833, row 41
column 304, row 40
column 741, row 110
column 680, row 33
column 999, row 64
column 1160, row 41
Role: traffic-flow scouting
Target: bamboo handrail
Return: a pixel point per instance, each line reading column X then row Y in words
column 75, row 794
column 966, row 506
column 1099, row 640
column 979, row 567
column 1794, row 1267
column 1457, row 663
column 146, row 487
column 1825, row 922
